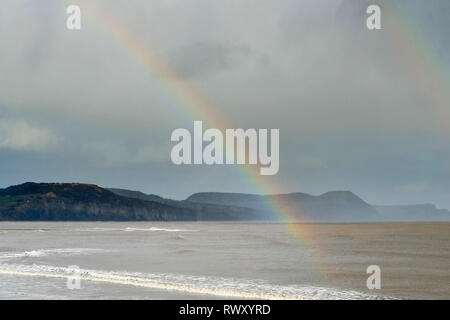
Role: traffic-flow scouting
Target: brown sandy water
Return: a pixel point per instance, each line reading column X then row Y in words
column 152, row 260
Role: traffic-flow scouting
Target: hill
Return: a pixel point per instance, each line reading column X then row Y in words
column 85, row 202
column 342, row 206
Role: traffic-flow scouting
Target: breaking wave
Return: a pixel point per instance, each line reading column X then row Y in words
column 158, row 229
column 131, row 229
column 45, row 252
column 24, row 230
column 191, row 284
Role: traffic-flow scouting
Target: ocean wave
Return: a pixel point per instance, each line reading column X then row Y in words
column 45, row 252
column 227, row 287
column 24, row 230
column 132, row 229
column 159, row 229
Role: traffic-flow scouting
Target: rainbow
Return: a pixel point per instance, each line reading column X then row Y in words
column 196, row 106
column 419, row 60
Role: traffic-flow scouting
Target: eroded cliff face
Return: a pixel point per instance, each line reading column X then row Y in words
column 73, row 206
column 82, row 202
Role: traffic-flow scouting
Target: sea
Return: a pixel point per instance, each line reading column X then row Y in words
column 229, row 260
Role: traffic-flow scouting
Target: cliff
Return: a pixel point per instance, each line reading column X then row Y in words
column 84, row 202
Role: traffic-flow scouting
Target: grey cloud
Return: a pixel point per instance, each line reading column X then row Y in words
column 22, row 136
column 203, row 59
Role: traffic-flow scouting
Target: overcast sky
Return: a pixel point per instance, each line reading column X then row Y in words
column 359, row 110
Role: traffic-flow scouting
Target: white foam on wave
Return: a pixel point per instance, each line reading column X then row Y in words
column 251, row 289
column 23, row 230
column 133, row 229
column 158, row 229
column 45, row 252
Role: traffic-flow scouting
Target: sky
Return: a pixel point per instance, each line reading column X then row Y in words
column 366, row 111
